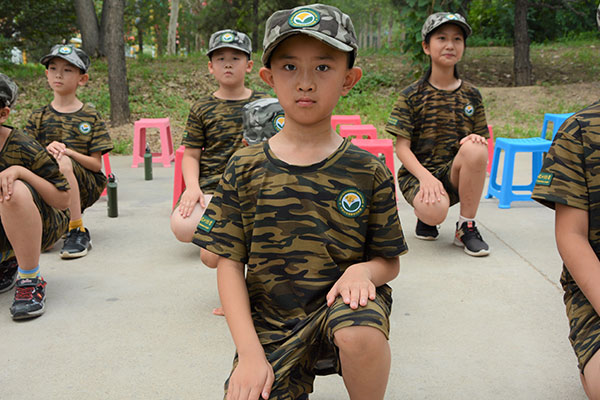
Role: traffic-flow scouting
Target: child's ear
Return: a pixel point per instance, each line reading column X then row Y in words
column 353, row 75
column 249, row 66
column 4, row 112
column 83, row 79
column 425, row 47
column 210, row 67
column 266, row 75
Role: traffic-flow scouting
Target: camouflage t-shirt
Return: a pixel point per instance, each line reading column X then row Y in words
column 435, row 121
column 571, row 173
column 215, row 126
column 299, row 227
column 20, row 149
column 83, row 131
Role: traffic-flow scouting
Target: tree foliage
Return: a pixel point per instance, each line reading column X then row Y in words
column 34, row 25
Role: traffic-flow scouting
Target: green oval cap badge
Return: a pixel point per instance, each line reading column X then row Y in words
column 304, row 18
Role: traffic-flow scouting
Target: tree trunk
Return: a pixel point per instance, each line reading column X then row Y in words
column 522, row 64
column 140, row 38
column 160, row 46
column 103, row 27
column 87, row 20
column 390, row 30
column 255, row 43
column 172, row 36
column 369, row 27
column 379, row 22
column 117, row 70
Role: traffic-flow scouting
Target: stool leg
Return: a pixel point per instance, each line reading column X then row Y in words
column 166, row 147
column 507, row 179
column 139, row 146
column 492, row 184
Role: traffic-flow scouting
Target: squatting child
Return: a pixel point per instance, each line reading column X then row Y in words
column 33, row 210
column 440, row 128
column 569, row 182
column 314, row 218
column 76, row 136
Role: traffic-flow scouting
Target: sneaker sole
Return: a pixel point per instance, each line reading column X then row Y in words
column 6, row 289
column 429, row 238
column 480, row 253
column 66, row 255
column 33, row 314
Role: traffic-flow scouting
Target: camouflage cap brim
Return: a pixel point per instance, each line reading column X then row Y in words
column 436, row 20
column 230, row 39
column 8, row 90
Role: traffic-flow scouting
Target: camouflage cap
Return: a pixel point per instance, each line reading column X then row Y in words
column 262, row 119
column 323, row 22
column 230, row 39
column 436, row 20
column 70, row 53
column 8, row 90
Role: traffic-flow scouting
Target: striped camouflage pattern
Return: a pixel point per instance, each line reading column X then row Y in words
column 22, row 150
column 297, row 235
column 570, row 176
column 435, row 121
column 215, row 126
column 83, row 131
column 321, row 21
column 310, row 350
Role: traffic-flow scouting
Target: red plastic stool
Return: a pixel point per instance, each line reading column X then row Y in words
column 490, row 144
column 344, row 120
column 178, row 182
column 377, row 147
column 139, row 141
column 107, row 170
column 359, row 131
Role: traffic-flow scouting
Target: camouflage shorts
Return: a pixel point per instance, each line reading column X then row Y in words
column 91, row 184
column 409, row 185
column 311, row 350
column 54, row 223
column 584, row 324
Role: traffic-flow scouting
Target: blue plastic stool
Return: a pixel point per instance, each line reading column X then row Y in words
column 505, row 191
column 557, row 120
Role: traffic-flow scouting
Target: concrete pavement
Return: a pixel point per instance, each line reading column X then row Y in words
column 132, row 320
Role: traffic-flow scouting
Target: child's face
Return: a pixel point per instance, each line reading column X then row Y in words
column 229, row 66
column 64, row 77
column 446, row 46
column 309, row 77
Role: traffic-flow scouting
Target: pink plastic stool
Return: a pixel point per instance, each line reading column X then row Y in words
column 490, row 143
column 139, row 141
column 344, row 120
column 178, row 182
column 107, row 170
column 358, row 131
column 377, row 147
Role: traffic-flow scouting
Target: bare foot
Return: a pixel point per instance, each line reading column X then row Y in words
column 218, row 311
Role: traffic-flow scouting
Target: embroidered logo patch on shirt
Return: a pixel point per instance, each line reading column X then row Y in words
column 351, row 203
column 469, row 110
column 85, row 128
column 206, row 223
column 393, row 121
column 544, row 179
column 279, row 121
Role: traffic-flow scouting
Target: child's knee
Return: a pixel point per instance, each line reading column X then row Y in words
column 21, row 196
column 359, row 340
column 474, row 154
column 432, row 214
column 209, row 259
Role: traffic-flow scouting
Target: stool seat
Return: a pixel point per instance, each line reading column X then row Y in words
column 358, row 131
column 166, row 154
column 344, row 120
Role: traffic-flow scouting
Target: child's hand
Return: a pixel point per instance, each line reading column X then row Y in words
column 355, row 287
column 7, row 178
column 251, row 380
column 473, row 138
column 431, row 190
column 57, row 149
column 189, row 199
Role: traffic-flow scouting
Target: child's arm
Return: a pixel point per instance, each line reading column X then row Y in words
column 358, row 283
column 571, row 230
column 93, row 162
column 431, row 189
column 253, row 376
column 49, row 193
column 190, row 167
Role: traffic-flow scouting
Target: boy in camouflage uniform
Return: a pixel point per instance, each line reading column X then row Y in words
column 213, row 131
column 570, row 184
column 75, row 134
column 441, row 137
column 33, row 194
column 314, row 218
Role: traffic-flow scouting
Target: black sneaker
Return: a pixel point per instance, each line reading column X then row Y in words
column 76, row 244
column 468, row 236
column 30, row 298
column 8, row 274
column 426, row 232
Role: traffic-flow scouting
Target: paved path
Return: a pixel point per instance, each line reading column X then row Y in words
column 132, row 320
